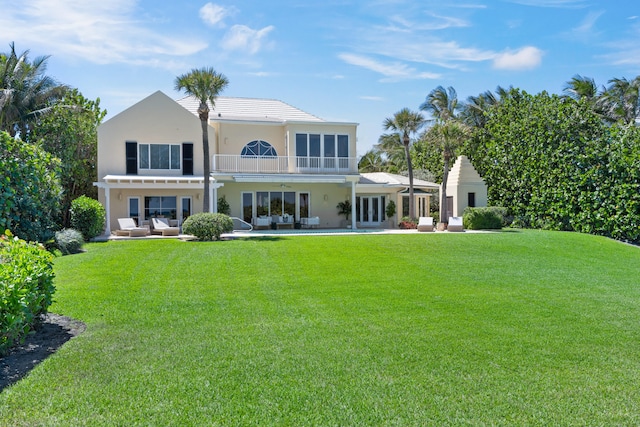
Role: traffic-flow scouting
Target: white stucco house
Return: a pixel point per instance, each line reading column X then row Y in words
column 268, row 160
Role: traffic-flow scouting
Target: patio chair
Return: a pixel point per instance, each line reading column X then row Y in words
column 161, row 226
column 425, row 223
column 129, row 228
column 455, row 224
column 262, row 221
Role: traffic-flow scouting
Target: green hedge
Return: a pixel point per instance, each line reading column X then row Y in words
column 26, row 288
column 486, row 218
column 207, row 226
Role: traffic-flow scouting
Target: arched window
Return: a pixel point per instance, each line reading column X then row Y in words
column 258, row 148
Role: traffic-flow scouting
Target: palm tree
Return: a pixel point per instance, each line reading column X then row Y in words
column 371, row 161
column 393, row 148
column 580, row 87
column 204, row 84
column 449, row 136
column 442, row 103
column 405, row 123
column 25, row 91
column 474, row 110
column 620, row 101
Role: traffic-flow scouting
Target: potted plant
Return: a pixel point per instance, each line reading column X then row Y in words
column 390, row 211
column 344, row 208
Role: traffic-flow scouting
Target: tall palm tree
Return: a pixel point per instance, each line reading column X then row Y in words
column 204, row 84
column 442, row 103
column 405, row 123
column 580, row 87
column 621, row 100
column 393, row 148
column 371, row 161
column 26, row 92
column 449, row 136
column 473, row 112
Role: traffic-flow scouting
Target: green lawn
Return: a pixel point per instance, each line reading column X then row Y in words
column 512, row 328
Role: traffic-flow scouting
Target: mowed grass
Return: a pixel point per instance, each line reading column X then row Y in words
column 512, row 328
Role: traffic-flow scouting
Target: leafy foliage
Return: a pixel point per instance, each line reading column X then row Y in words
column 70, row 134
column 223, row 206
column 208, row 226
column 26, row 287
column 87, row 216
column 30, row 190
column 69, row 241
column 555, row 164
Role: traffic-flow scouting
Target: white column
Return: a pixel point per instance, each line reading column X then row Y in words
column 353, row 205
column 213, row 197
column 107, row 208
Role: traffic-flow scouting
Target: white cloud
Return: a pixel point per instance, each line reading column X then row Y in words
column 393, row 71
column 248, row 40
column 213, row 14
column 101, row 32
column 524, row 58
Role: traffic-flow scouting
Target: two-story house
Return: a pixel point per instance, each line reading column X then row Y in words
column 268, row 160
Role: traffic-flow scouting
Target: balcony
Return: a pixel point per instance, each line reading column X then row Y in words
column 284, row 164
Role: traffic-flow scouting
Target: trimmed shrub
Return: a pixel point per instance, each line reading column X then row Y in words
column 207, row 226
column 69, row 241
column 26, row 288
column 88, row 217
column 483, row 218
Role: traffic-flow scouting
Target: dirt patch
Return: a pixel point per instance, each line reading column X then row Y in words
column 53, row 332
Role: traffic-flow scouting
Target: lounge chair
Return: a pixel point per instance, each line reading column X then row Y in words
column 129, row 228
column 425, row 223
column 455, row 224
column 161, row 226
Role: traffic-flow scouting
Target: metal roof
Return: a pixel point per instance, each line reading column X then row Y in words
column 250, row 109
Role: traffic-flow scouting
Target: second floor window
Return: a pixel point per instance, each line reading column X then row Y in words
column 258, row 148
column 159, row 156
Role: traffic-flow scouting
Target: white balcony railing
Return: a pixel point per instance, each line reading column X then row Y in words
column 284, row 164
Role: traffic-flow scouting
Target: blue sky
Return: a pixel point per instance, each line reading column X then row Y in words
column 355, row 61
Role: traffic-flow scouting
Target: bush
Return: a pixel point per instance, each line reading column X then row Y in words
column 30, row 190
column 69, row 241
column 207, row 226
column 88, row 217
column 26, row 288
column 483, row 218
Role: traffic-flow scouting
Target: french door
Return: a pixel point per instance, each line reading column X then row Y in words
column 369, row 210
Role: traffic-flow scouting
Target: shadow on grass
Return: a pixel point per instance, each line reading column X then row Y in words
column 51, row 334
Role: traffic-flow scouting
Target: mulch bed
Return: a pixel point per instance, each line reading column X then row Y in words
column 50, row 335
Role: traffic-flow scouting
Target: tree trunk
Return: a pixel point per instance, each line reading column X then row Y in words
column 444, row 214
column 412, row 211
column 207, row 167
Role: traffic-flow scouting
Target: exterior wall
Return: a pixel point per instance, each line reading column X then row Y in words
column 460, row 195
column 322, row 203
column 464, row 179
column 155, row 119
column 119, row 200
column 233, row 137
